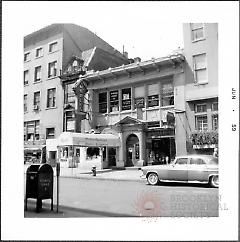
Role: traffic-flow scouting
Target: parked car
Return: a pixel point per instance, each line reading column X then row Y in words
column 189, row 168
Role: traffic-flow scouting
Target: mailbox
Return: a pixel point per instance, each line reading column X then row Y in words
column 39, row 184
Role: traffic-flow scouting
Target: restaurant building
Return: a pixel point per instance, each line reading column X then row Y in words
column 142, row 104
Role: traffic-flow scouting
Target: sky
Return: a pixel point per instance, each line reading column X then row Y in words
column 146, row 29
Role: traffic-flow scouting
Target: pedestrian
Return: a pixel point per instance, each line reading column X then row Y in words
column 167, row 159
column 215, row 153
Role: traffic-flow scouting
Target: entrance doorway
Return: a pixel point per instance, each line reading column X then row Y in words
column 132, row 146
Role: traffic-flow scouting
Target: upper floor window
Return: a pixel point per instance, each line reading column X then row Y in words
column 200, row 68
column 52, row 69
column 50, row 133
column 200, row 108
column 114, row 101
column 37, row 74
column 126, row 99
column 215, row 122
column 102, row 102
column 51, row 97
column 36, row 100
column 26, row 77
column 197, row 31
column 69, row 121
column 39, row 52
column 69, row 94
column 139, row 97
column 153, row 95
column 31, row 130
column 215, row 106
column 201, row 123
column 53, row 47
column 27, row 56
column 25, row 103
column 167, row 94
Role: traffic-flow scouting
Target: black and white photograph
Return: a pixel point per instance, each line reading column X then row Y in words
column 122, row 122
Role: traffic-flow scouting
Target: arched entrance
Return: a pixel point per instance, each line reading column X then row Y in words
column 132, row 147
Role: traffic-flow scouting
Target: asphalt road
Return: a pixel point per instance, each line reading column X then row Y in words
column 105, row 198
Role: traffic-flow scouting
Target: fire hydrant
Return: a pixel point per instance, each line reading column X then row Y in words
column 94, row 172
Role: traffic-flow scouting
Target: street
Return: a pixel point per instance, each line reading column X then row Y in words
column 107, row 198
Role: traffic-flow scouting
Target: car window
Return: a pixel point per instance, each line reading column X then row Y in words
column 213, row 161
column 181, row 161
column 197, row 161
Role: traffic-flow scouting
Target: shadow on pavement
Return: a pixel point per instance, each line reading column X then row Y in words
column 183, row 184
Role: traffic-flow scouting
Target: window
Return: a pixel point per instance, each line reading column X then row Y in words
column 36, row 100
column 102, row 102
column 196, row 161
column 201, row 123
column 153, row 95
column 50, row 133
column 139, row 94
column 200, row 68
column 215, row 106
column 197, row 31
column 51, row 98
column 26, row 77
column 25, row 103
column 52, row 69
column 69, row 94
column 167, row 94
column 27, row 56
column 126, row 99
column 200, row 108
column 53, row 47
column 39, row 52
column 215, row 122
column 31, row 130
column 114, row 101
column 182, row 161
column 69, row 121
column 37, row 74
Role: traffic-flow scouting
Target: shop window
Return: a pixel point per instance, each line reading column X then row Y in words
column 52, row 69
column 36, row 101
column 26, row 77
column 197, row 31
column 200, row 68
column 69, row 121
column 139, row 97
column 53, row 47
column 126, row 99
column 102, row 102
column 92, row 152
column 25, row 103
column 27, row 56
column 64, row 152
column 114, row 101
column 167, row 94
column 50, row 133
column 39, row 52
column 51, row 97
column 200, row 108
column 37, row 74
column 153, row 95
column 215, row 122
column 69, row 94
column 215, row 106
column 201, row 123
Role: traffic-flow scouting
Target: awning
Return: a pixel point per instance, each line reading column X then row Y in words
column 82, row 139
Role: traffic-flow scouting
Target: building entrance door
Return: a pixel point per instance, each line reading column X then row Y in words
column 132, row 147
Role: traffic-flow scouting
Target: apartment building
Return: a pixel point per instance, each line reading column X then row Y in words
column 46, row 54
column 201, row 87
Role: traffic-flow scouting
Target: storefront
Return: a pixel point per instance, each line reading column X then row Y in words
column 84, row 150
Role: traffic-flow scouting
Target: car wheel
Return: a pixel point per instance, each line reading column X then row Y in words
column 152, row 178
column 214, row 181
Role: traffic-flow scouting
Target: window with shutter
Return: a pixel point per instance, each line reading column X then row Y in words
column 153, row 95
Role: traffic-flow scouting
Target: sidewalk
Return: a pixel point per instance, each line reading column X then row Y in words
column 106, row 174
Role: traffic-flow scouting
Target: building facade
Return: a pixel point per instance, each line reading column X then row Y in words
column 201, row 88
column 141, row 103
column 46, row 54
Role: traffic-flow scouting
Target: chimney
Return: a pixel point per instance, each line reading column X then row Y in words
column 137, row 59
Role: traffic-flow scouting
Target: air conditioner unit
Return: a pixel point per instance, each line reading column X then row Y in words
column 35, row 107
